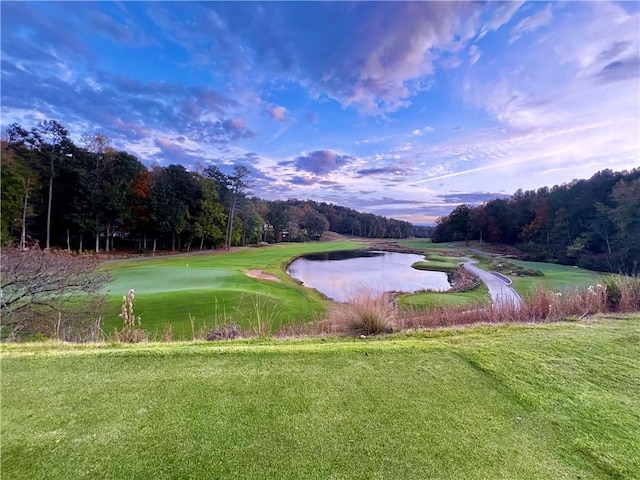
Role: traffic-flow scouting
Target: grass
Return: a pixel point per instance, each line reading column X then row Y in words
column 421, row 244
column 556, row 401
column 480, row 294
column 555, row 277
column 444, row 263
column 438, row 262
column 213, row 286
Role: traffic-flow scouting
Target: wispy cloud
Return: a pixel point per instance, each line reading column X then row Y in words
column 422, row 131
column 532, row 23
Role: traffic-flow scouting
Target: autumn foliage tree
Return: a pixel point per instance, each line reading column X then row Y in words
column 594, row 223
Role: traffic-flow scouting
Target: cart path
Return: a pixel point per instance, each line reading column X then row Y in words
column 500, row 291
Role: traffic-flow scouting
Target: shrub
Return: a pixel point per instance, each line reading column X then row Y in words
column 223, row 332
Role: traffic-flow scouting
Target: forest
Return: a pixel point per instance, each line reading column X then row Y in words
column 593, row 223
column 92, row 197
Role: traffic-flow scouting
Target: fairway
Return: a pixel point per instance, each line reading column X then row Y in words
column 212, row 287
column 559, row 401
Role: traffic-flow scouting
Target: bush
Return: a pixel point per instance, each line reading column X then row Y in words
column 223, row 332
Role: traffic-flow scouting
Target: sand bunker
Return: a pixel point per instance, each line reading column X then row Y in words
column 260, row 275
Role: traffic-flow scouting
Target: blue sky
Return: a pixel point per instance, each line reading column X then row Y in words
column 403, row 109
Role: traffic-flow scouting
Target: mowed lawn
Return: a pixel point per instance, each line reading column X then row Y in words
column 213, row 287
column 559, row 278
column 556, row 401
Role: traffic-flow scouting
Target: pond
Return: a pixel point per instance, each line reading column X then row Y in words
column 342, row 275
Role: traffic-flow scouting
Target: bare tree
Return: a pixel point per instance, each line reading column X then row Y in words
column 39, row 288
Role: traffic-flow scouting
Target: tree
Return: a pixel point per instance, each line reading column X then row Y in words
column 238, row 183
column 313, row 223
column 175, row 195
column 210, row 219
column 74, row 192
column 15, row 177
column 139, row 205
column 293, row 219
column 626, row 216
column 460, row 223
column 120, row 174
column 40, row 287
column 100, row 148
column 51, row 140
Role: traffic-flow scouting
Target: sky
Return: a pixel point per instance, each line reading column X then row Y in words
column 402, row 109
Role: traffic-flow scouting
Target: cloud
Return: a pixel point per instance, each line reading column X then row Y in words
column 220, row 131
column 375, row 57
column 422, row 131
column 277, row 112
column 321, row 162
column 474, row 54
column 501, row 14
column 471, row 198
column 532, row 23
column 123, row 104
column 625, row 69
column 171, row 152
column 131, row 130
column 305, row 181
column 390, row 170
column 118, row 31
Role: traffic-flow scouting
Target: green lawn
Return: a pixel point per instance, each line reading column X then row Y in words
column 212, row 287
column 438, row 262
column 421, row 244
column 556, row 277
column 557, row 401
column 480, row 294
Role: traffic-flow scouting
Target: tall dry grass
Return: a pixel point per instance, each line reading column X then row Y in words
column 541, row 306
column 132, row 331
column 619, row 294
column 364, row 314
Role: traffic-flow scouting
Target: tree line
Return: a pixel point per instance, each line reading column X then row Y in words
column 592, row 223
column 94, row 197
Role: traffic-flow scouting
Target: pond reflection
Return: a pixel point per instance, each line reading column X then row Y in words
column 342, row 275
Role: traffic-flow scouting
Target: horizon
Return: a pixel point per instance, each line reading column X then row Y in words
column 400, row 109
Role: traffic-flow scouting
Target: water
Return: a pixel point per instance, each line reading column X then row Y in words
column 342, row 275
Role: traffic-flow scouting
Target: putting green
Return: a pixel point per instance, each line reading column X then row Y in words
column 157, row 279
